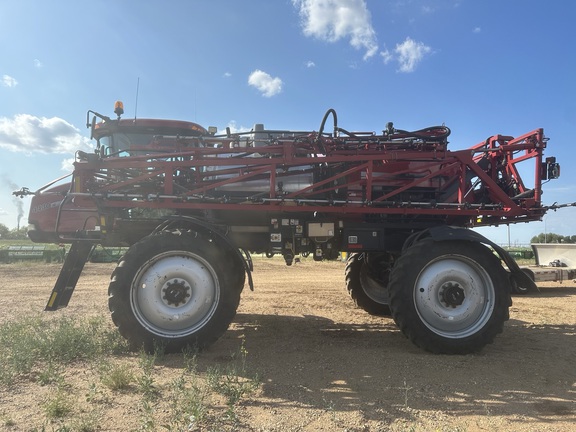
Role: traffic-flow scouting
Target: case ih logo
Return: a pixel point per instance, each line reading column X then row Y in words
column 46, row 206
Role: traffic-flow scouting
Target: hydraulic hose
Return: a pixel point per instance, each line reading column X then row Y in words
column 321, row 130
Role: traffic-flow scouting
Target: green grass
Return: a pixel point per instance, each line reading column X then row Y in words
column 58, row 405
column 116, row 377
column 41, row 351
column 38, row 348
column 11, row 242
column 234, row 381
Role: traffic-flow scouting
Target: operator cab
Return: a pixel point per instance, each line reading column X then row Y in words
column 124, row 137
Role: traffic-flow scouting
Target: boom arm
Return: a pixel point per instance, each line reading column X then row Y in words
column 355, row 175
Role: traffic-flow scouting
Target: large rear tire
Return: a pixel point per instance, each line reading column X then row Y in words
column 449, row 297
column 366, row 293
column 174, row 290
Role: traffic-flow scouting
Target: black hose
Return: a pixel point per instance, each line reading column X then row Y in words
column 321, row 130
column 432, row 133
column 333, row 112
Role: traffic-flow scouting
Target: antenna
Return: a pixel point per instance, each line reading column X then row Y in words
column 136, row 104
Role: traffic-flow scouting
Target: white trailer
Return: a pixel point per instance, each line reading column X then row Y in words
column 555, row 262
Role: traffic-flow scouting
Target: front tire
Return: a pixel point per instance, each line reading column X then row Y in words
column 175, row 290
column 449, row 297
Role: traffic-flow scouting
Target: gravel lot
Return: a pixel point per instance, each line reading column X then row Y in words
column 324, row 365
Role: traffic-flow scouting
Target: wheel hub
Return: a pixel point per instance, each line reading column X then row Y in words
column 176, row 292
column 452, row 294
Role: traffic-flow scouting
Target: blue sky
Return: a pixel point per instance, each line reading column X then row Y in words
column 480, row 67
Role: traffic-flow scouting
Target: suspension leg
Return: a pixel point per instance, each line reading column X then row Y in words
column 73, row 265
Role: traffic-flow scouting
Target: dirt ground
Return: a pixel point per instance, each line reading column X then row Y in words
column 326, row 366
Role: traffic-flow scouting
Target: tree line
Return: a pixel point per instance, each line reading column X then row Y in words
column 553, row 238
column 12, row 234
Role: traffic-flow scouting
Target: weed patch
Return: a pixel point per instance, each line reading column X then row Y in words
column 37, row 347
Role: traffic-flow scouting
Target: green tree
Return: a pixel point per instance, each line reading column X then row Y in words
column 19, row 234
column 4, row 232
column 553, row 238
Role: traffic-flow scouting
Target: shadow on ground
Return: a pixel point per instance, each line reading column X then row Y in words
column 313, row 362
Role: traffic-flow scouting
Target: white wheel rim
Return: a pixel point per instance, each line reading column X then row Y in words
column 175, row 294
column 454, row 296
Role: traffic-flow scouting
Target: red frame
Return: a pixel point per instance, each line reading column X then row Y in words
column 112, row 182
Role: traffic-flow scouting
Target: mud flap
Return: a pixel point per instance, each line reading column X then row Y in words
column 69, row 275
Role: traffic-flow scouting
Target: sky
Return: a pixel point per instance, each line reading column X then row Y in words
column 480, row 67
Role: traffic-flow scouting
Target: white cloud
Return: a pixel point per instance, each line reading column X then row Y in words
column 67, row 165
column 8, row 81
column 3, row 212
column 227, row 74
column 410, row 53
column 234, row 128
column 29, row 134
column 387, row 56
column 332, row 20
column 477, row 30
column 38, row 64
column 310, row 64
column 267, row 85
